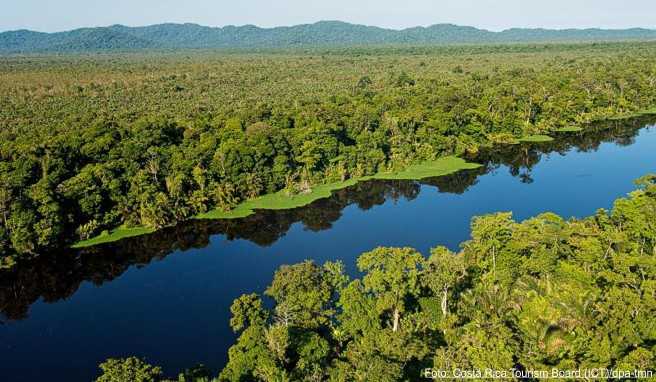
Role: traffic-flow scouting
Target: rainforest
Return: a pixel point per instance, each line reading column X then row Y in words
column 328, row 214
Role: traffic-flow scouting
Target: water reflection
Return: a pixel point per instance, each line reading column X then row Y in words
column 58, row 276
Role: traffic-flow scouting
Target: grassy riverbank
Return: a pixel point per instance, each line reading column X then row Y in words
column 636, row 114
column 570, row 129
column 536, row 139
column 282, row 201
column 115, row 235
column 97, row 142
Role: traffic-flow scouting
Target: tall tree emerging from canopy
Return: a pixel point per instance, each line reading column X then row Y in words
column 392, row 277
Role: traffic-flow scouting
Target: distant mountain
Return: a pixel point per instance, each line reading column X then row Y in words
column 324, row 33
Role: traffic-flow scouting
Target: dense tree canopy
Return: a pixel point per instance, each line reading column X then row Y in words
column 88, row 144
column 541, row 294
column 537, row 295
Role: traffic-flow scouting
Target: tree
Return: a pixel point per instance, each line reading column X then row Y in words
column 129, row 369
column 441, row 273
column 489, row 235
column 364, row 82
column 303, row 295
column 391, row 276
column 247, row 311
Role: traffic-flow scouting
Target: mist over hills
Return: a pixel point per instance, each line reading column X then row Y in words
column 321, row 34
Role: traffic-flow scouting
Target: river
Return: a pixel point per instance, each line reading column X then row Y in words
column 166, row 296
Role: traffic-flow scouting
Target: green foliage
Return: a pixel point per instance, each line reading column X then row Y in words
column 303, row 295
column 569, row 129
column 247, row 311
column 282, row 200
column 129, row 369
column 392, row 277
column 536, row 138
column 541, row 294
column 114, row 235
column 141, row 142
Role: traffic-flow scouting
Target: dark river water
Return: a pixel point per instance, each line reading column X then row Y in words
column 166, row 296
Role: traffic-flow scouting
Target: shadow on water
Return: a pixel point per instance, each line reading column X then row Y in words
column 58, row 276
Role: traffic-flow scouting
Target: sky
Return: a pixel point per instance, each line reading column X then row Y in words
column 59, row 15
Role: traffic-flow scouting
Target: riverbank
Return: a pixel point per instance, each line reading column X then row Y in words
column 576, row 263
column 115, row 235
column 201, row 266
column 283, row 201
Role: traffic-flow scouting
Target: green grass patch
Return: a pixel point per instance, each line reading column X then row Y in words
column 282, row 201
column 536, row 139
column 277, row 201
column 622, row 117
column 634, row 114
column 570, row 129
column 429, row 169
column 115, row 235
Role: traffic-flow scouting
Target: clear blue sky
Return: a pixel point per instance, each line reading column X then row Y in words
column 52, row 15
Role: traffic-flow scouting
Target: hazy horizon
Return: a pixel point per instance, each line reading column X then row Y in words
column 484, row 14
column 318, row 21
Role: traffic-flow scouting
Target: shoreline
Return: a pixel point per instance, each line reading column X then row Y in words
column 281, row 201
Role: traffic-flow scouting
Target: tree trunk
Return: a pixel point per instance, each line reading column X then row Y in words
column 395, row 326
column 445, row 309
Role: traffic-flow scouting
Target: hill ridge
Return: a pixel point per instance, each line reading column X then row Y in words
column 322, row 33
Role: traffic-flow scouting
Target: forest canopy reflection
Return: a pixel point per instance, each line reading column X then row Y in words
column 58, row 276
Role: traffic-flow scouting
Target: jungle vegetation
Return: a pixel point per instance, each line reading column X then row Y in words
column 49, row 278
column 89, row 143
column 534, row 295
